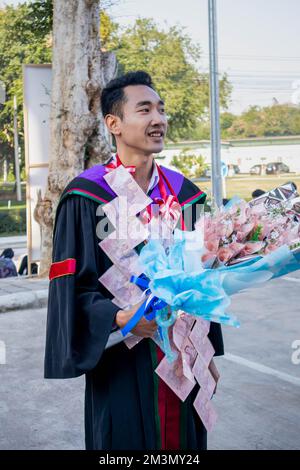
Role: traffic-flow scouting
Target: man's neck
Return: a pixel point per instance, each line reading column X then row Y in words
column 143, row 167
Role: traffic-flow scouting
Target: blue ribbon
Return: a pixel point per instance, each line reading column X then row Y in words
column 151, row 308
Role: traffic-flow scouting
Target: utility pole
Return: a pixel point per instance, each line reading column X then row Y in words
column 16, row 145
column 215, row 134
column 2, row 101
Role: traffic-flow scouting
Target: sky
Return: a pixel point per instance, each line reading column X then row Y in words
column 258, row 42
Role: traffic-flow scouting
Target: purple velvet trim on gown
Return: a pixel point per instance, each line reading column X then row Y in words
column 174, row 178
column 97, row 172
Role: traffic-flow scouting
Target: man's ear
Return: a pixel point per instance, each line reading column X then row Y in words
column 113, row 124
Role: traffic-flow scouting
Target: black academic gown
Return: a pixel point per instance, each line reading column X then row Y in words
column 121, row 398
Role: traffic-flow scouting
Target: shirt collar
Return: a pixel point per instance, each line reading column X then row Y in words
column 154, row 177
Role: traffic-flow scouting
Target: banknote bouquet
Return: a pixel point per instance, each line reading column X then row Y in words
column 233, row 248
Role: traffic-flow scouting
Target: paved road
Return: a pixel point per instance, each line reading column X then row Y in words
column 259, row 407
column 35, row 413
column 258, row 399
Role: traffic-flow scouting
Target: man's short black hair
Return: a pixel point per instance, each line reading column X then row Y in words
column 113, row 96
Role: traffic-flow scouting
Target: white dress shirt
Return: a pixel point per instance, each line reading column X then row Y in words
column 154, row 177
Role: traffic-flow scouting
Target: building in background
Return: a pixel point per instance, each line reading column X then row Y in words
column 244, row 152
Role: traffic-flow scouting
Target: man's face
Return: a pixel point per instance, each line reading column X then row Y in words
column 144, row 122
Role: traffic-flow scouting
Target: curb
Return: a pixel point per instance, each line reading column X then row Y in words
column 22, row 300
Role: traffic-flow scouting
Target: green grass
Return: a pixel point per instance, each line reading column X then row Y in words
column 12, row 234
column 243, row 185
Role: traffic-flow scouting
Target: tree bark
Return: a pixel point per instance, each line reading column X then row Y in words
column 77, row 133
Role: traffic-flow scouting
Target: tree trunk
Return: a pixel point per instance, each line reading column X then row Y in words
column 77, row 135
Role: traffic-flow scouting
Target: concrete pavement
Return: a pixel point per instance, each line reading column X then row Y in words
column 13, row 242
column 258, row 400
column 23, row 292
column 35, row 413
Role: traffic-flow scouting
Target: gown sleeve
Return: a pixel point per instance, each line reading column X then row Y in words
column 80, row 314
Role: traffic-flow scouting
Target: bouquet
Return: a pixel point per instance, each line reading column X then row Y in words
column 243, row 229
column 236, row 247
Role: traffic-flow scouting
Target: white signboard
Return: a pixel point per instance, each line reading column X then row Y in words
column 37, row 99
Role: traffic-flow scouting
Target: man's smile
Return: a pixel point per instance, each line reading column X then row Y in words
column 156, row 134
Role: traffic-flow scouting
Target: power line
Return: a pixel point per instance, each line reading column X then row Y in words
column 266, row 72
column 254, row 76
column 253, row 57
column 262, row 90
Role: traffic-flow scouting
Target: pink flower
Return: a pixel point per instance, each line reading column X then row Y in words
column 236, row 247
column 225, row 254
column 252, row 247
column 212, row 245
column 244, row 231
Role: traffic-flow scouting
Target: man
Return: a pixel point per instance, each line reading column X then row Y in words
column 127, row 406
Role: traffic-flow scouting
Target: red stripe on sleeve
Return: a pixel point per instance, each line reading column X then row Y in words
column 62, row 268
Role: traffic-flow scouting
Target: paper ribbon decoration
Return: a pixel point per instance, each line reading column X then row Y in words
column 170, row 210
column 174, row 369
column 116, row 162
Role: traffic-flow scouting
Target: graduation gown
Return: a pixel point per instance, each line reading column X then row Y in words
column 127, row 406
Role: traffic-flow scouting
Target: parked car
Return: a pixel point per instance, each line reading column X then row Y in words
column 256, row 170
column 276, row 168
column 273, row 168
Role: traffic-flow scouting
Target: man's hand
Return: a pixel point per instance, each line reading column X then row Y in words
column 144, row 328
